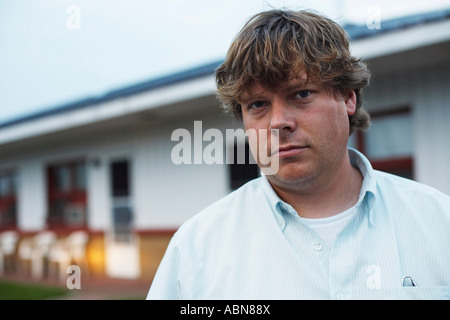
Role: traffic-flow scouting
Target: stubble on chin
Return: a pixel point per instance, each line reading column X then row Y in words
column 296, row 177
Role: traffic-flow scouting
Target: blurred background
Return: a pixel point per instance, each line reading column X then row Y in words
column 91, row 92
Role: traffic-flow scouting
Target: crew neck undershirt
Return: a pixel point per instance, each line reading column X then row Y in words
column 328, row 228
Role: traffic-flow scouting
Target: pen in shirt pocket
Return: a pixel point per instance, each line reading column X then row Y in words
column 408, row 281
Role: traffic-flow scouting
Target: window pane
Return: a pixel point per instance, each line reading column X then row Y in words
column 62, row 178
column 122, row 219
column 74, row 214
column 14, row 184
column 241, row 173
column 4, row 186
column 390, row 137
column 120, row 179
column 80, row 174
column 8, row 182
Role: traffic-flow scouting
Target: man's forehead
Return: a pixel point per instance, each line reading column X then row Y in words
column 257, row 87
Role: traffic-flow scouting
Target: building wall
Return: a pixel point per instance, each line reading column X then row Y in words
column 164, row 194
column 168, row 193
column 426, row 91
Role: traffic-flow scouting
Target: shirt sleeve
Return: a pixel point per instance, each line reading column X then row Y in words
column 167, row 283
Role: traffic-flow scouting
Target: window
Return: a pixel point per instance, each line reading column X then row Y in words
column 242, row 171
column 67, row 199
column 388, row 143
column 8, row 199
column 119, row 178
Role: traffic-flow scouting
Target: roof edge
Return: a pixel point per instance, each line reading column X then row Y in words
column 358, row 31
column 155, row 83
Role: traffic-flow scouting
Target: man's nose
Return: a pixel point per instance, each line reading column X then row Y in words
column 281, row 116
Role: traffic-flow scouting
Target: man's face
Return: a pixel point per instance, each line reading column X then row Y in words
column 313, row 129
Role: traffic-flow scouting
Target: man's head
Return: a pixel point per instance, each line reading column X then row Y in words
column 290, row 74
column 278, row 45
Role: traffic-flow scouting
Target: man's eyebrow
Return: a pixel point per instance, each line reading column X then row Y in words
column 292, row 84
column 298, row 82
column 251, row 95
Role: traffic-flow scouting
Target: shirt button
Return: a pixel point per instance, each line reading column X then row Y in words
column 318, row 246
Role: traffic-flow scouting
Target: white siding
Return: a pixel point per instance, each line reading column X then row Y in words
column 427, row 91
column 32, row 199
column 97, row 195
column 168, row 193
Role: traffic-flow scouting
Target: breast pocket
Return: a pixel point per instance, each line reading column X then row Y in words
column 410, row 293
column 425, row 293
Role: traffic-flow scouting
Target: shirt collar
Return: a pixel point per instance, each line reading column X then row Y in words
column 274, row 201
column 366, row 196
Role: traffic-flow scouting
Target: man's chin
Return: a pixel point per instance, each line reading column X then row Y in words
column 290, row 178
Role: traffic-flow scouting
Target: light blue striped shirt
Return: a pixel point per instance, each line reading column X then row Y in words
column 252, row 245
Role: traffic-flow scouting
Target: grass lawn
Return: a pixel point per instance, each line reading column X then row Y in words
column 21, row 291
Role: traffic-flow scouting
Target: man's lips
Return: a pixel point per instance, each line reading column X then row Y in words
column 289, row 151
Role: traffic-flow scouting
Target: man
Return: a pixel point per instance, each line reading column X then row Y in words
column 325, row 225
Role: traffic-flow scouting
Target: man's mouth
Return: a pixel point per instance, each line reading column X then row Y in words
column 289, row 151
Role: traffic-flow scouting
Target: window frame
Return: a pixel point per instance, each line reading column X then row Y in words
column 72, row 213
column 9, row 200
column 394, row 165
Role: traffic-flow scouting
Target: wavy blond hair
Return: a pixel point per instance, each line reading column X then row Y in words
column 278, row 45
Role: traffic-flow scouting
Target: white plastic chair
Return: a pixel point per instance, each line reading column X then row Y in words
column 8, row 242
column 36, row 249
column 70, row 250
column 25, row 253
column 41, row 250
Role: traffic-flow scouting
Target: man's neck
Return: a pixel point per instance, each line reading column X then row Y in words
column 331, row 197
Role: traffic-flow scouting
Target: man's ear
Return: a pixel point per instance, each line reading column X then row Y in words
column 350, row 102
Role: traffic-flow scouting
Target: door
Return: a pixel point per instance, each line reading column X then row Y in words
column 122, row 250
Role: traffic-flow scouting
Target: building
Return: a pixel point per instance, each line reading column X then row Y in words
column 104, row 166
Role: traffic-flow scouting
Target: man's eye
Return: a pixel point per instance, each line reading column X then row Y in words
column 256, row 105
column 303, row 94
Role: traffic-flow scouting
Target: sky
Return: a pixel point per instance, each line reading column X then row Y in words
column 54, row 52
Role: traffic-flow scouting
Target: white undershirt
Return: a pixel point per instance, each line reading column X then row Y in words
column 328, row 228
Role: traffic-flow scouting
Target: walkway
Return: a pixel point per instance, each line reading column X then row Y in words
column 110, row 289
column 97, row 288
